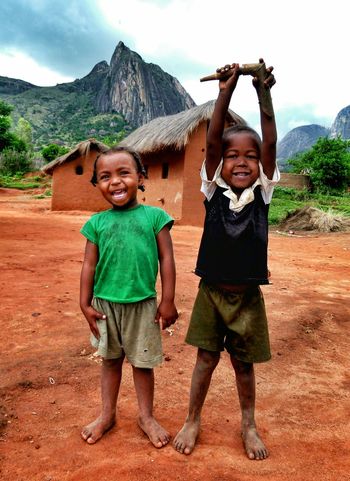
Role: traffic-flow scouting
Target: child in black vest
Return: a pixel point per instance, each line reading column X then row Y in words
column 238, row 177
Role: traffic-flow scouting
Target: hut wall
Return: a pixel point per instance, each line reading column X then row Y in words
column 296, row 181
column 72, row 189
column 192, row 205
column 164, row 183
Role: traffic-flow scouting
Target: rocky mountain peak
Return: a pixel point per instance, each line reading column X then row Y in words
column 99, row 67
column 140, row 91
column 341, row 124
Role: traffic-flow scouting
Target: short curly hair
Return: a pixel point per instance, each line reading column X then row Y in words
column 236, row 129
column 135, row 155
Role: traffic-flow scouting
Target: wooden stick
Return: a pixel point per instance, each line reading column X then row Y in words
column 255, row 70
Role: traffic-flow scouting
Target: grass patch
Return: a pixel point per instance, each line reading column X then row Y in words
column 44, row 195
column 286, row 201
column 25, row 182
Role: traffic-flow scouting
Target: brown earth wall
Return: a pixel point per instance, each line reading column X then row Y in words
column 75, row 192
column 295, row 181
column 167, row 192
column 193, row 209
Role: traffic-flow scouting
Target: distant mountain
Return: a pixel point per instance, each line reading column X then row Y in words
column 304, row 137
column 341, row 125
column 111, row 98
column 13, row 86
column 121, row 96
column 298, row 140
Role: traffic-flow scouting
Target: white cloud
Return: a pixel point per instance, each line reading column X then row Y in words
column 16, row 64
column 305, row 41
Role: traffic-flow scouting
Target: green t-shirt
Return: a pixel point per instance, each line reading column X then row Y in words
column 127, row 267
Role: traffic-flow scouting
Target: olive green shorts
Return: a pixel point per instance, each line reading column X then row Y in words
column 236, row 322
column 129, row 329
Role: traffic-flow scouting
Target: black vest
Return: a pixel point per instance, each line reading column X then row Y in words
column 233, row 248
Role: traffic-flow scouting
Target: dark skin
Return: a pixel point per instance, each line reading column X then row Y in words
column 240, row 170
column 118, row 181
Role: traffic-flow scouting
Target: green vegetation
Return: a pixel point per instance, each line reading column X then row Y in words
column 328, row 165
column 114, row 139
column 53, row 151
column 15, row 148
column 26, row 182
column 65, row 113
column 9, row 140
column 287, row 200
column 24, row 132
column 13, row 162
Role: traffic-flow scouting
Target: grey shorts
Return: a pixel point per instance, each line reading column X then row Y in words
column 235, row 322
column 129, row 329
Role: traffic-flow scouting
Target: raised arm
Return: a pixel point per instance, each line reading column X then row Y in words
column 217, row 122
column 166, row 310
column 268, row 127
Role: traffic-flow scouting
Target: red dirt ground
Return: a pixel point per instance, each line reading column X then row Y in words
column 50, row 378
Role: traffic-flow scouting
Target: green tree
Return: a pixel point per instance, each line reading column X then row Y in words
column 8, row 139
column 114, row 139
column 5, row 109
column 24, row 132
column 52, row 151
column 14, row 157
column 13, row 162
column 327, row 163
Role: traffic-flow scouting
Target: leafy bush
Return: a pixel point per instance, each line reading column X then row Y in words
column 8, row 139
column 5, row 109
column 114, row 139
column 14, row 162
column 27, row 181
column 327, row 163
column 53, row 151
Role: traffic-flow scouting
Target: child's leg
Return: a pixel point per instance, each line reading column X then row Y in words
column 245, row 380
column 144, row 387
column 207, row 361
column 111, row 375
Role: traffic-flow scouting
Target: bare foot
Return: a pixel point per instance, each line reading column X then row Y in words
column 155, row 432
column 253, row 444
column 185, row 439
column 95, row 430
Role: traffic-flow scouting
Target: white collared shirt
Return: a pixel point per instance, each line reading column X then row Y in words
column 236, row 204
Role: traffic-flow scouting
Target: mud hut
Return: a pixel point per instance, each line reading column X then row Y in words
column 172, row 149
column 71, row 174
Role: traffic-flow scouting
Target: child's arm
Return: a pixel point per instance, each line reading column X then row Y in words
column 217, row 122
column 87, row 287
column 166, row 311
column 268, row 128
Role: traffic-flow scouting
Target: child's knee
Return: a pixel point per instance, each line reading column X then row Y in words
column 208, row 359
column 242, row 367
column 113, row 363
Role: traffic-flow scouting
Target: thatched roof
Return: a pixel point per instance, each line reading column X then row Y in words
column 173, row 131
column 80, row 150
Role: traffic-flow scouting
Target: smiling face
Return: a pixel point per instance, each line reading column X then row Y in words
column 241, row 157
column 118, row 179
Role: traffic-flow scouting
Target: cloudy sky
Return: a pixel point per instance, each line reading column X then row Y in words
column 53, row 41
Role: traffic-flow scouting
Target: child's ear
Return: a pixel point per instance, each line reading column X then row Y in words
column 141, row 183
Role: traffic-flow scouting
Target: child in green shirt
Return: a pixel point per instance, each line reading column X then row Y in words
column 117, row 289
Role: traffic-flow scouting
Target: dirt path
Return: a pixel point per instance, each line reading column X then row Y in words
column 50, row 378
